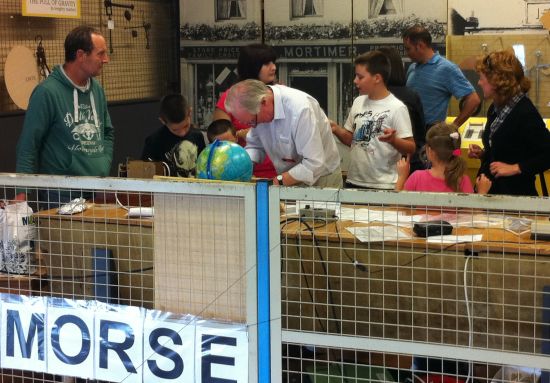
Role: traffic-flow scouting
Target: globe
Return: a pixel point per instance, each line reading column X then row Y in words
column 224, row 160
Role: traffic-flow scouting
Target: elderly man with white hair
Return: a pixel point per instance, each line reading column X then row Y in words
column 290, row 126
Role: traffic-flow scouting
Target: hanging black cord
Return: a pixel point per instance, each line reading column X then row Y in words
column 41, row 58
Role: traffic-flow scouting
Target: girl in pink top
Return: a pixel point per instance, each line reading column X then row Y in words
column 448, row 170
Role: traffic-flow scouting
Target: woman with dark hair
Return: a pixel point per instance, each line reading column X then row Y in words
column 396, row 85
column 516, row 142
column 256, row 61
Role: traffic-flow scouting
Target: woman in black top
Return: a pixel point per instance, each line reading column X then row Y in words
column 516, row 142
column 396, row 85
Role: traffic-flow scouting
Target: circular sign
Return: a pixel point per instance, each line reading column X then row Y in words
column 21, row 75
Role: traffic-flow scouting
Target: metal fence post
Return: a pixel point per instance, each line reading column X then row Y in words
column 262, row 231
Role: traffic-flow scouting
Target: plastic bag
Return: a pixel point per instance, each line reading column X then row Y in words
column 17, row 235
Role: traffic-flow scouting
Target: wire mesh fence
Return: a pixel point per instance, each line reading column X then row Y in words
column 369, row 286
column 423, row 287
column 306, row 363
column 169, row 246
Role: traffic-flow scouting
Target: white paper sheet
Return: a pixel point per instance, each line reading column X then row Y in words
column 378, row 233
column 454, row 238
column 388, row 217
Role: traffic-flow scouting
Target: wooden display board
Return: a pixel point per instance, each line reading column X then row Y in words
column 21, row 75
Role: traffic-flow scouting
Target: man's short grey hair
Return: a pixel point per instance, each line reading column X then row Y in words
column 247, row 94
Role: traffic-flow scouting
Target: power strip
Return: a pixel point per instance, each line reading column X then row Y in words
column 318, row 214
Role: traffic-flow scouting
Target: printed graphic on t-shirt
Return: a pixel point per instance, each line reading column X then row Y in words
column 85, row 133
column 182, row 159
column 367, row 126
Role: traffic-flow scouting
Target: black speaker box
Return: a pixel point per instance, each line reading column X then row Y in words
column 430, row 228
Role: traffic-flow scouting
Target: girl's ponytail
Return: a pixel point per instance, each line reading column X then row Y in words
column 444, row 140
column 455, row 169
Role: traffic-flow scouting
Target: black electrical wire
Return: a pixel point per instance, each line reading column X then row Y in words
column 324, row 266
column 353, row 260
column 329, row 287
column 325, row 271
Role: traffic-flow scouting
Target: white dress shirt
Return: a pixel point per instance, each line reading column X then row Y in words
column 298, row 139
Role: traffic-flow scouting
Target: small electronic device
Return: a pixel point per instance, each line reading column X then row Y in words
column 318, row 214
column 471, row 131
column 430, row 228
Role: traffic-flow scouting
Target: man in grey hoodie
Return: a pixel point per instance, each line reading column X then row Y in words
column 67, row 128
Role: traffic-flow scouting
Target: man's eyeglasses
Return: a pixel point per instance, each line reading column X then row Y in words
column 251, row 123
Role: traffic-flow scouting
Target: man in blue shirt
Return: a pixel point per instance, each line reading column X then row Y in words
column 436, row 79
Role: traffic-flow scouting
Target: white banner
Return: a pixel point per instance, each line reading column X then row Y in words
column 168, row 350
column 119, row 356
column 113, row 343
column 22, row 334
column 69, row 333
column 224, row 352
column 52, row 8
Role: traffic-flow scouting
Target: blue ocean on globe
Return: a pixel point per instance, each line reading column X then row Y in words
column 226, row 161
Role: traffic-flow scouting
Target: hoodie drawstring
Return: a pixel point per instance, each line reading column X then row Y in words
column 75, row 105
column 92, row 102
column 96, row 123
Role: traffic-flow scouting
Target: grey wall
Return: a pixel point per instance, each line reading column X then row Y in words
column 132, row 122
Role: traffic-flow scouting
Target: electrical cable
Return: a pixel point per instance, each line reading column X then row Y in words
column 284, row 222
column 468, row 313
column 325, row 271
column 120, row 203
column 353, row 260
column 310, row 292
column 329, row 287
column 302, row 267
column 425, row 254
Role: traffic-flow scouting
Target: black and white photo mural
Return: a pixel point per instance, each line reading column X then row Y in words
column 385, row 7
column 304, row 8
column 474, row 17
column 230, row 9
column 316, row 42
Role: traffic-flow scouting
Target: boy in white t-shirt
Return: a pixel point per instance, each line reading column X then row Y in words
column 378, row 127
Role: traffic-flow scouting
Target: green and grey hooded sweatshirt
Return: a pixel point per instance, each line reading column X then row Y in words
column 67, row 129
